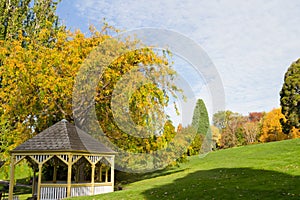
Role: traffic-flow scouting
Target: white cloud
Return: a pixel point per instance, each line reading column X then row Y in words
column 251, row 43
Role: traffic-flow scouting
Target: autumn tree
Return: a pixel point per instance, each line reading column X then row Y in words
column 230, row 125
column 255, row 116
column 271, row 127
column 37, row 85
column 290, row 98
column 21, row 21
column 39, row 63
column 216, row 136
column 251, row 131
column 294, row 133
column 252, row 127
column 219, row 119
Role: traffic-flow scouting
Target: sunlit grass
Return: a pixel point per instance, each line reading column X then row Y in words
column 262, row 171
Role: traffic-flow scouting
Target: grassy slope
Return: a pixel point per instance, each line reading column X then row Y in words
column 262, row 171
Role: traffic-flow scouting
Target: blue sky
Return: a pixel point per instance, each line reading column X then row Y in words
column 251, row 43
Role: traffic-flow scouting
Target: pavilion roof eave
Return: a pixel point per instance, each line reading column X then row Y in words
column 30, row 152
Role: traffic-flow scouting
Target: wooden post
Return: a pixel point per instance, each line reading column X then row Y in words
column 34, row 181
column 39, row 181
column 55, row 171
column 112, row 172
column 12, row 177
column 77, row 173
column 93, row 179
column 69, row 175
column 106, row 174
column 100, row 173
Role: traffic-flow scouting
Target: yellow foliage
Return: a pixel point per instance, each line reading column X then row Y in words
column 271, row 127
column 294, row 133
column 37, row 82
column 216, row 135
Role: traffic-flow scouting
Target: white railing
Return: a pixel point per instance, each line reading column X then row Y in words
column 51, row 193
column 103, row 189
column 59, row 191
column 80, row 191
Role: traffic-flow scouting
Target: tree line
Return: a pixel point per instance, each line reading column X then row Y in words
column 232, row 129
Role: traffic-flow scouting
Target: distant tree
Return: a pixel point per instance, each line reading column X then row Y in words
column 216, row 136
column 271, row 127
column 294, row 133
column 200, row 118
column 251, row 131
column 28, row 16
column 200, row 123
column 219, row 119
column 290, row 97
column 252, row 127
column 231, row 125
column 255, row 116
column 179, row 127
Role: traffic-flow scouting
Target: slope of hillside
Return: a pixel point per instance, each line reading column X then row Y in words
column 262, row 171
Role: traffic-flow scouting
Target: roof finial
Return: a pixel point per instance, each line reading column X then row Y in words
column 64, row 120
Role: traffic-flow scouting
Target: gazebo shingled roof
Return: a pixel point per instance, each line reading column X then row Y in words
column 63, row 136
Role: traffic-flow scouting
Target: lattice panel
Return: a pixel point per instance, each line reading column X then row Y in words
column 64, row 158
column 75, row 158
column 40, row 158
column 93, row 159
column 19, row 158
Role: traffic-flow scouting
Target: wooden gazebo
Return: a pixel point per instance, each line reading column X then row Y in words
column 78, row 164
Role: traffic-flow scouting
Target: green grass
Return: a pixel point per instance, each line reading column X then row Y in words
column 21, row 191
column 22, row 174
column 262, row 171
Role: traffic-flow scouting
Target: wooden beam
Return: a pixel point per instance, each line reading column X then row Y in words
column 34, row 181
column 55, row 171
column 106, row 174
column 69, row 176
column 112, row 171
column 77, row 173
column 100, row 173
column 93, row 179
column 39, row 182
column 12, row 177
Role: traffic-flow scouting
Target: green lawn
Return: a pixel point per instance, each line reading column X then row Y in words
column 23, row 173
column 262, row 171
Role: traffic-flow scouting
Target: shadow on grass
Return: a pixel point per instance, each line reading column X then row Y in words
column 229, row 183
column 126, row 178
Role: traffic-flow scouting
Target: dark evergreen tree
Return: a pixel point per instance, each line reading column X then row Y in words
column 200, row 118
column 200, row 123
column 290, row 98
